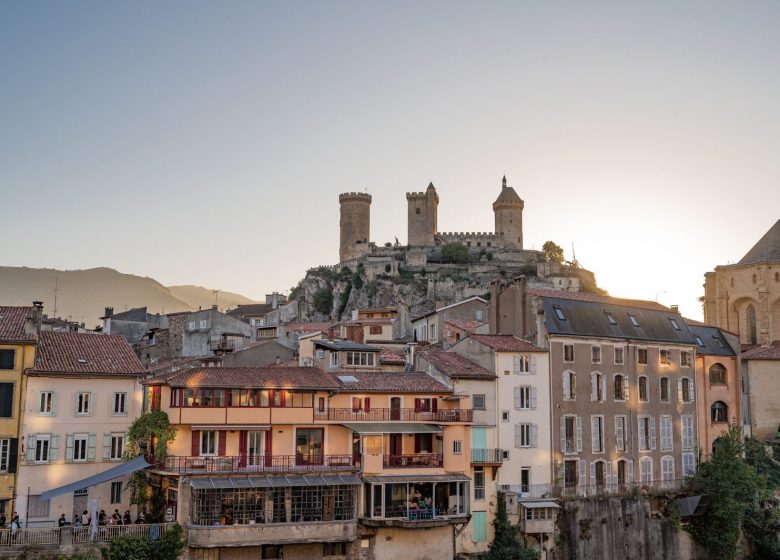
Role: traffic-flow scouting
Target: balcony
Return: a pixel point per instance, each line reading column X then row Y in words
column 222, row 344
column 259, row 463
column 415, row 461
column 394, row 414
column 571, row 445
column 262, row 533
column 487, row 456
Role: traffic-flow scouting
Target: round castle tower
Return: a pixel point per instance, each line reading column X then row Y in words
column 508, row 209
column 355, row 225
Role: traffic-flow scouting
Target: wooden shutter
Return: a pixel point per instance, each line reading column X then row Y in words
column 516, row 363
column 630, row 472
column 603, row 387
column 532, row 365
column 518, row 435
column 619, row 435
column 566, row 386
column 54, row 447
column 680, row 390
column 563, row 434
column 533, row 398
column 626, row 388
column 579, row 434
column 13, row 455
column 642, row 471
column 91, row 447
column 106, row 446
column 609, row 473
column 434, row 404
column 68, row 448
column 417, row 405
column 642, row 433
column 691, row 390
column 518, row 398
column 356, row 404
column 592, row 474
column 594, row 434
column 652, row 432
column 534, row 435
column 195, row 449
column 583, row 476
column 31, row 447
column 222, row 443
column 593, row 388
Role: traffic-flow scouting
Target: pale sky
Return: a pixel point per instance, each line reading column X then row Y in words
column 207, row 142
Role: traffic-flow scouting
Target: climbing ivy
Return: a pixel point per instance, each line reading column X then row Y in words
column 151, row 428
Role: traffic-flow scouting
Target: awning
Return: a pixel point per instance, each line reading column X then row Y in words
column 411, row 479
column 120, row 470
column 539, row 504
column 210, row 483
column 393, row 428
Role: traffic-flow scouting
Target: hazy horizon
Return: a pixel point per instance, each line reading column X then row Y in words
column 206, row 144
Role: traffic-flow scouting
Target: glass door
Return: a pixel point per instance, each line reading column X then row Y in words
column 308, row 446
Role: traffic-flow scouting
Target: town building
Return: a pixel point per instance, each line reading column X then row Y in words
column 18, row 343
column 296, row 462
column 760, row 368
column 431, row 327
column 82, row 394
column 745, row 297
column 261, row 353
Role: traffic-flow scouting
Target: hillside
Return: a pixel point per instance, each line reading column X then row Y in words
column 83, row 294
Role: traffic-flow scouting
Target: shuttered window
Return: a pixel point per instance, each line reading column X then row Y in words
column 6, row 400
column 479, row 526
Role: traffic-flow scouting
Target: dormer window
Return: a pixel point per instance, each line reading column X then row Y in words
column 633, row 320
column 559, row 313
column 719, row 341
column 82, row 361
column 674, row 324
column 699, row 341
column 610, row 318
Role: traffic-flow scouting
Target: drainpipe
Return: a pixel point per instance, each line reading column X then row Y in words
column 20, row 411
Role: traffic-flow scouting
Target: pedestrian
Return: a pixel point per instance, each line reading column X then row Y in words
column 85, row 518
column 126, row 520
column 61, row 522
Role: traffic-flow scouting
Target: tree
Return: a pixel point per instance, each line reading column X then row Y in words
column 456, row 252
column 131, row 547
column 505, row 545
column 552, row 252
column 150, row 430
column 323, row 301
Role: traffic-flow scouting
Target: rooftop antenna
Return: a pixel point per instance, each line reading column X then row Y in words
column 56, row 289
column 658, row 294
column 216, row 295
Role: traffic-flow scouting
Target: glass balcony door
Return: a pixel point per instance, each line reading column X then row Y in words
column 308, row 446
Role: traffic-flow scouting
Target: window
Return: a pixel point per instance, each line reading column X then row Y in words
column 687, row 431
column 675, row 326
column 571, row 434
column 620, row 433
column 664, row 357
column 80, row 443
column 620, row 381
column 688, row 464
column 645, row 470
column 717, row 374
column 6, row 400
column 664, row 389
column 719, row 342
column 7, row 359
column 208, row 442
column 334, row 549
column 568, row 352
column 46, row 403
column 433, row 331
column 479, row 532
column 479, row 483
column 522, row 364
column 641, row 355
column 595, row 354
column 41, row 447
column 597, row 433
column 334, row 357
column 505, row 416
column 417, row 211
column 633, row 320
column 569, row 385
column 203, row 323
column 598, row 387
column 191, row 325
column 457, row 447
column 273, row 550
column 619, row 355
column 667, row 468
column 116, row 492
column 36, row 507
column 719, row 412
column 643, row 388
column 478, row 401
column 646, row 433
column 5, row 454
column 525, row 398
column 699, row 341
column 120, row 404
column 559, row 313
column 667, row 441
column 321, row 354
column 685, row 390
column 117, row 446
column 685, row 359
column 479, row 314
column 375, row 329
column 83, row 404
column 610, row 318
column 525, row 435
column 360, row 358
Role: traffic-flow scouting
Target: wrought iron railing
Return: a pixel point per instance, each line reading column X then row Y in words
column 394, row 414
column 417, row 460
column 259, row 463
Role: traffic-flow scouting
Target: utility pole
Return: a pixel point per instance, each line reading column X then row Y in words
column 216, row 295
column 56, row 289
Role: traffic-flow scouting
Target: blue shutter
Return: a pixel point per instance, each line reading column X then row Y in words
column 479, row 526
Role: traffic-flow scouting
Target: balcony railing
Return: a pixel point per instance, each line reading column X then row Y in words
column 66, row 536
column 260, row 463
column 394, row 414
column 487, row 456
column 612, row 488
column 416, row 461
column 228, row 345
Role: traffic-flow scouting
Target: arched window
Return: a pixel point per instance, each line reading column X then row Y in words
column 717, row 374
column 664, row 386
column 643, row 396
column 620, row 381
column 720, row 412
column 751, row 325
column 569, row 385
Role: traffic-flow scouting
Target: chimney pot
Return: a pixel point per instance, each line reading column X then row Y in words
column 675, row 308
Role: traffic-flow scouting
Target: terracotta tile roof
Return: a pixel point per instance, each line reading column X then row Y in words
column 250, row 310
column 12, row 322
column 390, row 382
column 764, row 352
column 467, row 326
column 390, row 357
column 308, row 327
column 271, row 377
column 596, row 298
column 456, row 366
column 83, row 353
column 369, row 321
column 505, row 343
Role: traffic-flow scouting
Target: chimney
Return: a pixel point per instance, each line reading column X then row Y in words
column 278, row 360
column 33, row 324
column 409, row 354
column 214, row 306
column 109, row 312
column 495, row 295
column 675, row 308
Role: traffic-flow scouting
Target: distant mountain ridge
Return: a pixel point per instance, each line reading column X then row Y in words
column 83, row 295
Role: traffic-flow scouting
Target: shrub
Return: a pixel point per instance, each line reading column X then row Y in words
column 455, row 252
column 323, row 301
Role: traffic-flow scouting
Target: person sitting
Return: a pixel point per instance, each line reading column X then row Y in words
column 141, row 517
column 61, row 522
column 102, row 518
column 85, row 518
column 126, row 519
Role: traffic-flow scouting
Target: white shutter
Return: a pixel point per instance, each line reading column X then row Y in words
column 583, row 478
column 619, row 436
column 563, row 434
column 566, row 386
column 649, row 462
column 518, row 435
column 579, row 434
column 534, row 435
column 594, row 434
column 92, row 444
column 106, row 446
column 642, row 434
column 91, row 408
column 31, row 448
column 679, row 390
column 518, row 398
column 593, row 389
column 54, row 447
column 693, row 394
column 626, row 388
column 53, row 404
column 532, row 365
column 76, row 405
column 603, row 387
column 516, row 363
column 630, row 473
column 652, row 432
column 68, row 448
column 642, row 471
column 533, row 398
column 592, row 476
column 609, row 474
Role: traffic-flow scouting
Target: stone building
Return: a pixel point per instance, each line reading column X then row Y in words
column 745, row 297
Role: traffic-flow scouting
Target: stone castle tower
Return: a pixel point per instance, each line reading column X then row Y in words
column 423, row 213
column 508, row 209
column 355, row 225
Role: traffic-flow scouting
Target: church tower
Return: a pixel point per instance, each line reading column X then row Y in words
column 355, row 225
column 423, row 215
column 508, row 209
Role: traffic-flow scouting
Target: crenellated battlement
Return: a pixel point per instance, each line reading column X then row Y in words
column 356, row 196
column 415, row 195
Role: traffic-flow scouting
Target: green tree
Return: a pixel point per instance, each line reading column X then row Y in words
column 505, row 545
column 150, row 431
column 323, row 301
column 130, row 547
column 456, row 252
column 552, row 252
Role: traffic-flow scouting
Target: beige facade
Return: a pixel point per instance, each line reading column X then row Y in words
column 761, row 392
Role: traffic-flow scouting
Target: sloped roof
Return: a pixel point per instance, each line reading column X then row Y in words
column 390, row 382
column 596, row 298
column 266, row 377
column 505, row 343
column 507, row 193
column 767, row 249
column 250, row 310
column 467, row 326
column 341, row 345
column 83, row 353
column 12, row 322
column 712, row 341
column 764, row 352
column 456, row 366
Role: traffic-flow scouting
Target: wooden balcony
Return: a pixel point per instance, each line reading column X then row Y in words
column 259, row 463
column 394, row 415
column 414, row 461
